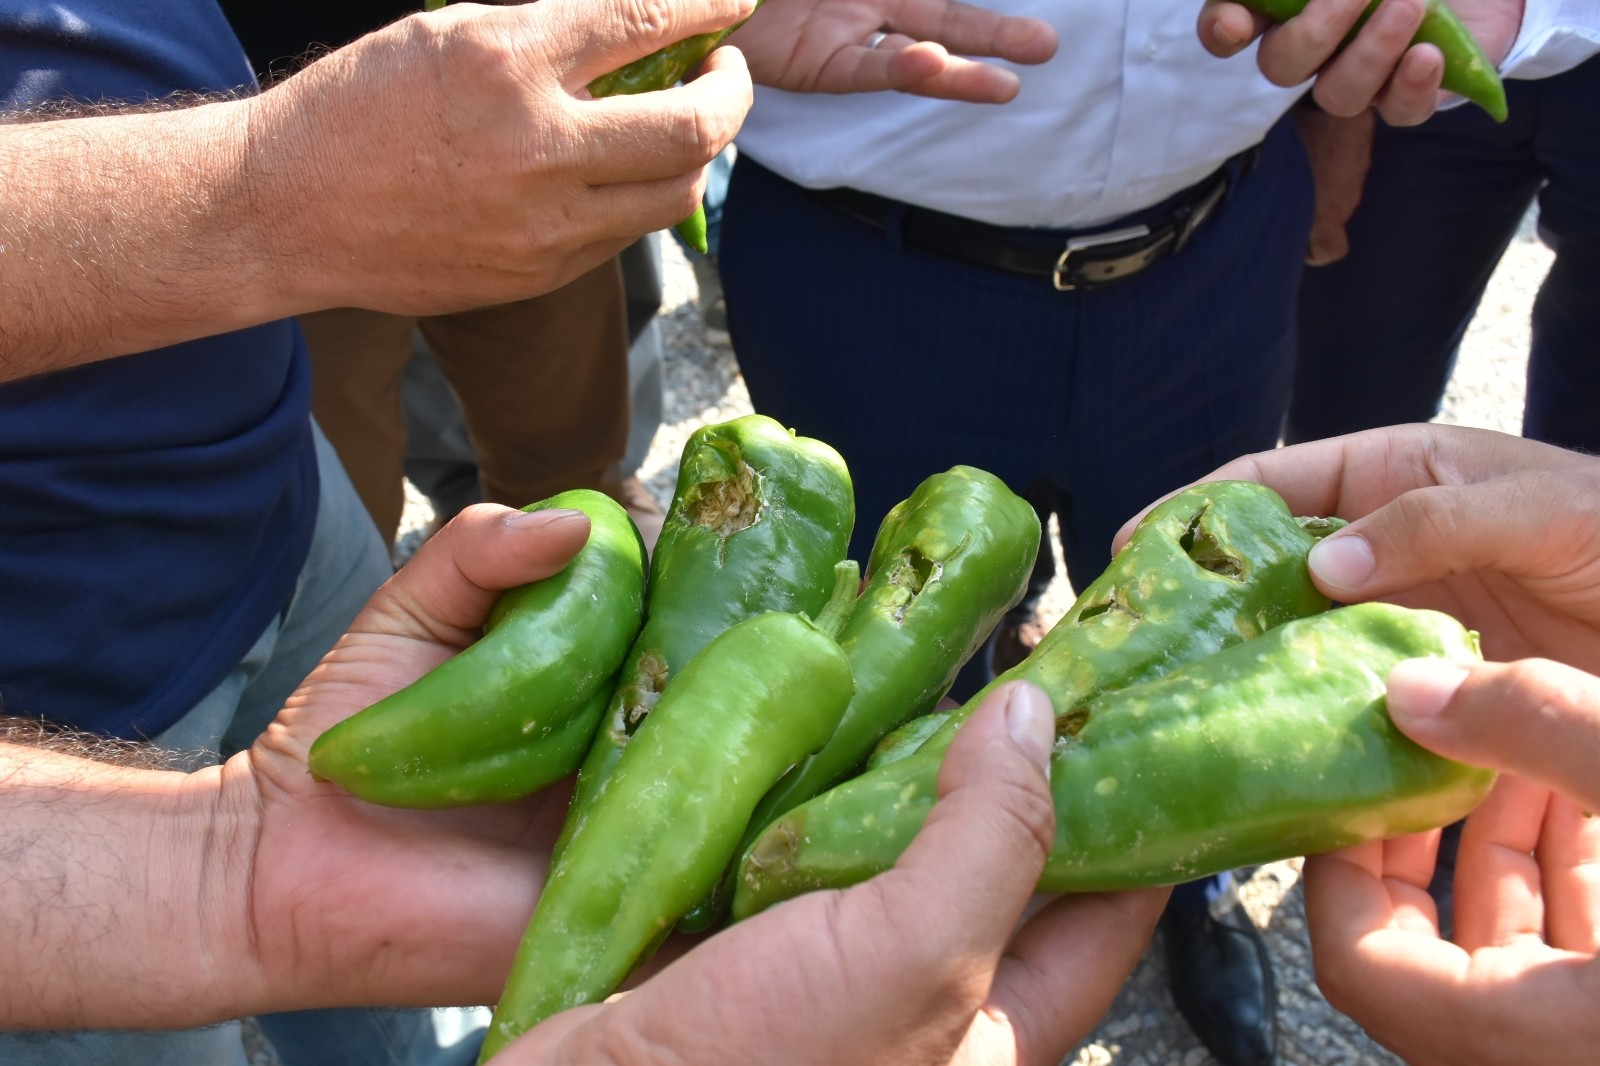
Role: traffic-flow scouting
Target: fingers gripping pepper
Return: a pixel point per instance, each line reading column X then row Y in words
column 1467, row 71
column 757, row 523
column 517, row 709
column 1210, row 567
column 946, row 564
column 758, row 698
column 663, row 69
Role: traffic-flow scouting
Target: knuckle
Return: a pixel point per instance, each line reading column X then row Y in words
column 650, row 20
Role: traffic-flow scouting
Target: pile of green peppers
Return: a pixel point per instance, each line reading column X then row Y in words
column 751, row 717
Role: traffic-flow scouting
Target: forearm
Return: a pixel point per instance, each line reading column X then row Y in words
column 122, row 896
column 120, row 233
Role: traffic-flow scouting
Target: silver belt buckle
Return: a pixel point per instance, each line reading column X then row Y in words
column 1093, row 240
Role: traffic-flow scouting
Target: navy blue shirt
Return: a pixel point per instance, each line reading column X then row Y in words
column 156, row 509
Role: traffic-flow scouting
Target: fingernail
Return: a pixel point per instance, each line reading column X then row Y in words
column 1420, row 688
column 1031, row 721
column 1342, row 562
column 532, row 520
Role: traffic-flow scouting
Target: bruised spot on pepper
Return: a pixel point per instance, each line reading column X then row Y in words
column 1111, row 602
column 1069, row 725
column 726, row 505
column 912, row 571
column 1202, row 548
column 639, row 697
column 773, row 850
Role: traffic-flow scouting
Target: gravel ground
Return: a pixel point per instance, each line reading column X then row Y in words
column 1142, row 1028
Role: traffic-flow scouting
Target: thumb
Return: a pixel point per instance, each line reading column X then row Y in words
column 979, row 854
column 1534, row 718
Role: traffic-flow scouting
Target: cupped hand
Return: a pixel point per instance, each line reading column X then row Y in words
column 1378, row 67
column 922, row 964
column 354, row 903
column 455, row 158
column 1521, row 980
column 829, row 46
column 1501, row 532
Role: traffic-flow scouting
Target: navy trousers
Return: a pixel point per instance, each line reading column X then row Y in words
column 910, row 363
column 1379, row 330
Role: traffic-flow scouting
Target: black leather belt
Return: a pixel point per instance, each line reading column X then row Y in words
column 1071, row 259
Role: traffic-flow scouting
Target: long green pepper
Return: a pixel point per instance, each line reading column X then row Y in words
column 1210, row 567
column 517, row 709
column 759, row 697
column 758, row 521
column 947, row 563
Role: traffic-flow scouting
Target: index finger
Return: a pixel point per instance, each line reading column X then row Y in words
column 974, row 31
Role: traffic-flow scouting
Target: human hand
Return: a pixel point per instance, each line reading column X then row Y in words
column 354, row 903
column 1521, row 981
column 1379, row 67
column 1340, row 153
column 1501, row 532
column 455, row 158
column 826, row 46
column 922, row 964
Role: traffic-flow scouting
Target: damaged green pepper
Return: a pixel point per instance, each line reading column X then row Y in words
column 947, row 563
column 757, row 523
column 1209, row 567
column 759, row 697
column 517, row 709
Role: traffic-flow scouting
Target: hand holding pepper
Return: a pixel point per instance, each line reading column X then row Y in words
column 917, row 966
column 1376, row 65
column 1504, row 533
column 163, row 899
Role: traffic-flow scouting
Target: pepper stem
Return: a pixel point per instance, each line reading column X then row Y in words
column 842, row 601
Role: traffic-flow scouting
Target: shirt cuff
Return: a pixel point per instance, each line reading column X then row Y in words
column 1556, row 35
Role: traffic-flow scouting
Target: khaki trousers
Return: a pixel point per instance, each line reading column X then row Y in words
column 542, row 383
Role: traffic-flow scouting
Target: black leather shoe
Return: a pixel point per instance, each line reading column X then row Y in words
column 1221, row 979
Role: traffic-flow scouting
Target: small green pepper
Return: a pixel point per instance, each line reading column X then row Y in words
column 757, row 523
column 1212, row 566
column 759, row 697
column 518, row 708
column 947, row 563
column 1277, row 747
column 1467, row 71
column 663, row 69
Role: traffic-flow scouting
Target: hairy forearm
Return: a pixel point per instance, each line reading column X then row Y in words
column 121, row 895
column 124, row 232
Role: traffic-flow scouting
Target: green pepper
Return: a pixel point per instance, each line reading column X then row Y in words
column 1277, row 747
column 757, row 523
column 947, row 563
column 907, row 739
column 1209, row 567
column 518, row 708
column 1467, row 71
column 759, row 697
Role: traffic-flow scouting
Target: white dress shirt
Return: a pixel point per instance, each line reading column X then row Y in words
column 1130, row 110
